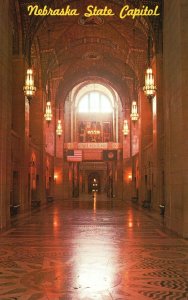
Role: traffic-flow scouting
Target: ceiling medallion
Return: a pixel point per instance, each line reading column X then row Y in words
column 90, row 21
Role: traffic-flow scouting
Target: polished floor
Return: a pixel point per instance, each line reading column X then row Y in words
column 92, row 248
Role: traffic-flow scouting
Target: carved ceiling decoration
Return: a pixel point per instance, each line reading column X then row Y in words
column 95, row 46
column 90, row 21
column 92, row 55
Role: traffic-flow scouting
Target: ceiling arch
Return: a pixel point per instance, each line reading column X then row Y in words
column 80, row 78
column 78, row 49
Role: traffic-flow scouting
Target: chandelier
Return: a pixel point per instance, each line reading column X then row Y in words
column 59, row 129
column 29, row 87
column 48, row 113
column 94, row 132
column 134, row 112
column 149, row 88
column 125, row 128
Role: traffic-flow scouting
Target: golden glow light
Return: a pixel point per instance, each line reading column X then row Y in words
column 93, row 132
column 29, row 88
column 134, row 111
column 59, row 129
column 125, row 127
column 48, row 114
column 149, row 88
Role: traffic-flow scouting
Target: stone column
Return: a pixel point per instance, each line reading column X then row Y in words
column 145, row 143
column 176, row 114
column 37, row 137
column 127, row 160
column 5, row 112
column 158, row 135
column 20, row 125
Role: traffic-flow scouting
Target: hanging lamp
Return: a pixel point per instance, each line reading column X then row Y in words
column 59, row 129
column 29, row 87
column 48, row 111
column 149, row 88
column 134, row 109
column 125, row 128
column 134, row 112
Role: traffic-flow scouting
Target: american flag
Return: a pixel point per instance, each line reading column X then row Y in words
column 74, row 155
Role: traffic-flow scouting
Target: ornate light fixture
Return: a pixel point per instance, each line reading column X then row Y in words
column 125, row 128
column 134, row 112
column 93, row 132
column 149, row 88
column 134, row 109
column 59, row 129
column 48, row 113
column 29, row 88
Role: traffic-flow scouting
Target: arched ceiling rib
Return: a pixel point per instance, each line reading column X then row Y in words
column 110, row 49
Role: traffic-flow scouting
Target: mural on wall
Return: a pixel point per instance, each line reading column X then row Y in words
column 92, row 131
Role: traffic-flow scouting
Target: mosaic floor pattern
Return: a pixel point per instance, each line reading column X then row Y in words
column 89, row 250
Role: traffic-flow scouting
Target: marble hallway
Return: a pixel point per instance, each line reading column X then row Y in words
column 91, row 248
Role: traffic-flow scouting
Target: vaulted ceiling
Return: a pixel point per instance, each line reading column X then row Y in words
column 74, row 49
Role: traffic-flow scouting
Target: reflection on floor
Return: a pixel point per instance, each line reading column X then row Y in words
column 92, row 248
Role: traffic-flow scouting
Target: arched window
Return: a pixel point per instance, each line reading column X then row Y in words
column 94, row 102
